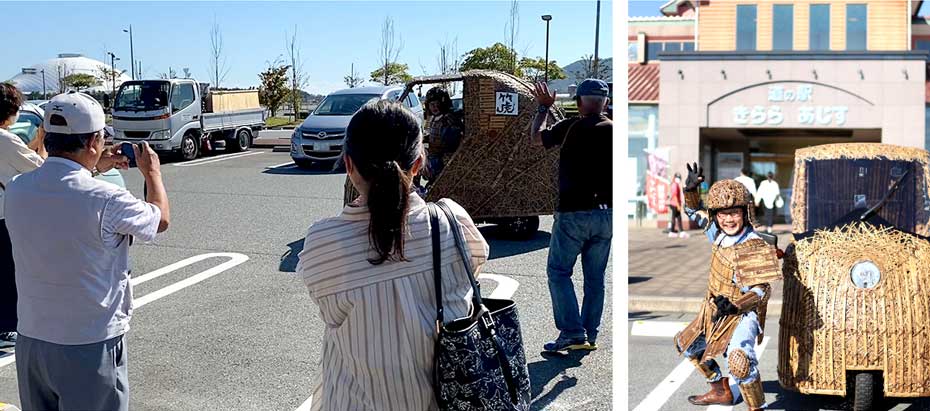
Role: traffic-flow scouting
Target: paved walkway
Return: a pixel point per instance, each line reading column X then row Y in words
column 670, row 274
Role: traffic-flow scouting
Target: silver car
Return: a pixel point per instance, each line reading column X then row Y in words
column 27, row 126
column 321, row 136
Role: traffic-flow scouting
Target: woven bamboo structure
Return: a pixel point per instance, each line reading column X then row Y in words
column 799, row 196
column 829, row 326
column 496, row 171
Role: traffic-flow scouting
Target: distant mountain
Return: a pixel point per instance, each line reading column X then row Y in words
column 571, row 78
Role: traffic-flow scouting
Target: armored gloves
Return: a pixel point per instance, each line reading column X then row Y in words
column 746, row 302
column 694, row 179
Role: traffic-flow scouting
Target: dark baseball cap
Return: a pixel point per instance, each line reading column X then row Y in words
column 592, row 87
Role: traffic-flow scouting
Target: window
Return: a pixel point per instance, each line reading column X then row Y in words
column 856, row 26
column 820, row 27
column 344, row 104
column 182, row 95
column 783, row 27
column 687, row 46
column 412, row 100
column 746, row 27
column 652, row 51
column 922, row 45
column 672, row 46
column 26, row 126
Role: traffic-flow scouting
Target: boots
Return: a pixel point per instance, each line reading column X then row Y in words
column 753, row 395
column 719, row 394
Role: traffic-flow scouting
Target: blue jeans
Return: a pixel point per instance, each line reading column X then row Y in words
column 744, row 337
column 587, row 233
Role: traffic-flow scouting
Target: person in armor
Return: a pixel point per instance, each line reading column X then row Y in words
column 445, row 131
column 732, row 316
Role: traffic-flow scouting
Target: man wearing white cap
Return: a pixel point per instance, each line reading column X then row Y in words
column 70, row 235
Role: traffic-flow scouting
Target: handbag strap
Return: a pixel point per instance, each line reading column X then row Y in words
column 437, row 262
column 466, row 258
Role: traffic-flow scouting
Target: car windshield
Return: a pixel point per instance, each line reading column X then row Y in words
column 836, row 188
column 26, row 126
column 343, row 104
column 142, row 96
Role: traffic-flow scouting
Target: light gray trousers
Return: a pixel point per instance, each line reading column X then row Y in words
column 55, row 377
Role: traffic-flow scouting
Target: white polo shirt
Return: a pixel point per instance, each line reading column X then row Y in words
column 70, row 235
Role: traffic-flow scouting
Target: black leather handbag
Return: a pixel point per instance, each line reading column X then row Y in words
column 479, row 360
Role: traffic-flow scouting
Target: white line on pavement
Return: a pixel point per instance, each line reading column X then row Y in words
column 657, row 328
column 506, row 286
column 223, row 157
column 288, row 164
column 234, row 260
column 661, row 393
column 505, row 289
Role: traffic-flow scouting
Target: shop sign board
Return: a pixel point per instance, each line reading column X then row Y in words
column 806, row 113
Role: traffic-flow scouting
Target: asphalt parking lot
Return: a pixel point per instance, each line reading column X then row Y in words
column 222, row 321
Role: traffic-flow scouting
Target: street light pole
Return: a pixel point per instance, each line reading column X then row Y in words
column 597, row 34
column 113, row 70
column 132, row 55
column 547, row 18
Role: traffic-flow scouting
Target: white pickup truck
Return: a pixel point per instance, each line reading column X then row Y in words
column 184, row 117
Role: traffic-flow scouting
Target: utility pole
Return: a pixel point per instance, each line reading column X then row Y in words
column 44, row 93
column 132, row 55
column 597, row 34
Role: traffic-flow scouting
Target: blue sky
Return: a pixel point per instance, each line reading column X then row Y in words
column 643, row 8
column 332, row 35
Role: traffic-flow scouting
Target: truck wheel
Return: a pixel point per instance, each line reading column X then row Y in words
column 519, row 227
column 189, row 147
column 241, row 142
column 864, row 392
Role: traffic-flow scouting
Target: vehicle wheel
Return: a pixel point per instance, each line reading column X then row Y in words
column 241, row 142
column 864, row 392
column 304, row 164
column 520, row 227
column 189, row 147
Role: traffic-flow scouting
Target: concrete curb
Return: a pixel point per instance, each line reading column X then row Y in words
column 640, row 303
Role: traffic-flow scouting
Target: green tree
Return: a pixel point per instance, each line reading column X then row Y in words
column 274, row 88
column 534, row 69
column 392, row 73
column 497, row 57
column 81, row 81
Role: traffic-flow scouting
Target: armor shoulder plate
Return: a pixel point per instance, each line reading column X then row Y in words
column 756, row 263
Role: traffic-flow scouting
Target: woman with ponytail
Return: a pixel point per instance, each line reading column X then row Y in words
column 369, row 270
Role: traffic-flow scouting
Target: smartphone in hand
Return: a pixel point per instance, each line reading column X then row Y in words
column 126, row 150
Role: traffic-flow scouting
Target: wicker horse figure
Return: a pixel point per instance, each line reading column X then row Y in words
column 732, row 316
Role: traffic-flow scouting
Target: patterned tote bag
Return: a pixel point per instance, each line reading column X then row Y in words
column 479, row 359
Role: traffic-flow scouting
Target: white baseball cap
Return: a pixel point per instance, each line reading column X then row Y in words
column 75, row 113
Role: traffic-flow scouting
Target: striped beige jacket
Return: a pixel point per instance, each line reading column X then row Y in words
column 380, row 319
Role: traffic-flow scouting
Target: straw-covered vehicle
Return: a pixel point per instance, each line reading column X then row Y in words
column 496, row 173
column 856, row 306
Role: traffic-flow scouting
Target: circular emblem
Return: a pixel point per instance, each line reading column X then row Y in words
column 865, row 274
column 322, row 135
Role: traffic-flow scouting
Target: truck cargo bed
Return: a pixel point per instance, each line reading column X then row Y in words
column 229, row 120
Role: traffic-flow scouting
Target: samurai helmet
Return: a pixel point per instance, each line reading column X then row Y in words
column 726, row 194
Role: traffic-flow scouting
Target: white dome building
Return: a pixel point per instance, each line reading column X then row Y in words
column 29, row 80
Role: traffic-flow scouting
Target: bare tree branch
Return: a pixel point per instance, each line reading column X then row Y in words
column 219, row 67
column 512, row 30
column 391, row 45
column 299, row 77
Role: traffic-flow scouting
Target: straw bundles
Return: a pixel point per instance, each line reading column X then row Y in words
column 828, row 325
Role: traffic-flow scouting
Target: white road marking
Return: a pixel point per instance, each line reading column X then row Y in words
column 505, row 289
column 506, row 286
column 657, row 328
column 661, row 393
column 223, row 157
column 234, row 260
column 288, row 164
column 306, row 405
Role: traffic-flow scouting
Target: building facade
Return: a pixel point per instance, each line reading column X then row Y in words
column 768, row 77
